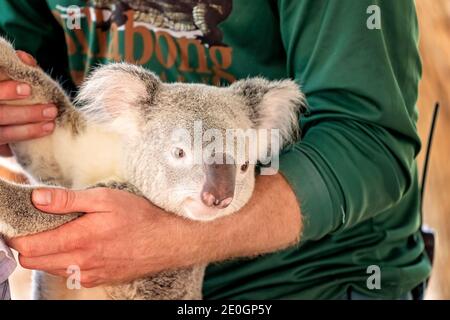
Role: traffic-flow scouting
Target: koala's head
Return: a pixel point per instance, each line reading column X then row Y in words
column 191, row 148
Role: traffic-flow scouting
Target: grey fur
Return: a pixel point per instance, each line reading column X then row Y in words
column 18, row 216
column 126, row 119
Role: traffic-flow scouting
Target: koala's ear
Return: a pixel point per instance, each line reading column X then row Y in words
column 273, row 105
column 118, row 95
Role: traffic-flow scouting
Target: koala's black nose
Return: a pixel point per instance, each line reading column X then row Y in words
column 212, row 200
column 218, row 190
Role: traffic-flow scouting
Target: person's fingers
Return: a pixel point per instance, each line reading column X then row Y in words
column 58, row 272
column 10, row 115
column 26, row 58
column 52, row 262
column 5, row 151
column 64, row 238
column 13, row 90
column 57, row 200
column 25, row 132
column 60, row 240
column 59, row 261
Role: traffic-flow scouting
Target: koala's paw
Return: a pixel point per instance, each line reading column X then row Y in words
column 18, row 216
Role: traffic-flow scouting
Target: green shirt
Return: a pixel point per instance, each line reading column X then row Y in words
column 354, row 170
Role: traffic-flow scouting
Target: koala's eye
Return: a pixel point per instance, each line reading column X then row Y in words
column 244, row 167
column 178, row 153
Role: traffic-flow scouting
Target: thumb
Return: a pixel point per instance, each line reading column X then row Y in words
column 58, row 200
column 26, row 58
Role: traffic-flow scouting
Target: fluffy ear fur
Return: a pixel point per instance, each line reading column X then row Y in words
column 118, row 95
column 273, row 105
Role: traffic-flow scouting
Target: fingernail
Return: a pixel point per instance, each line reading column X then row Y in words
column 23, row 89
column 26, row 57
column 42, row 197
column 48, row 127
column 50, row 112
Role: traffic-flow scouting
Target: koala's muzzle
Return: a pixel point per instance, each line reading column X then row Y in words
column 218, row 190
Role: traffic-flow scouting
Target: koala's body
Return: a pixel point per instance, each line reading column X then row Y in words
column 122, row 136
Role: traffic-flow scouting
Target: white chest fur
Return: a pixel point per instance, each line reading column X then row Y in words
column 75, row 161
column 79, row 161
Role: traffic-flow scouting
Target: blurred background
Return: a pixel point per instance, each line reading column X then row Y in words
column 434, row 19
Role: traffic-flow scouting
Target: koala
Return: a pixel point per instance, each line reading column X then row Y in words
column 119, row 133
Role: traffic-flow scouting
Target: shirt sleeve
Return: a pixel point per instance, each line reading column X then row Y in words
column 359, row 138
column 31, row 26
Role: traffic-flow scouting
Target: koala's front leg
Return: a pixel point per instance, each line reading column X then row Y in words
column 18, row 216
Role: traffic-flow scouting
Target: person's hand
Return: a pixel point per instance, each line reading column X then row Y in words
column 24, row 122
column 124, row 237
column 120, row 238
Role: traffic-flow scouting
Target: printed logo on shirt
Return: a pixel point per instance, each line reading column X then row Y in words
column 178, row 39
column 195, row 18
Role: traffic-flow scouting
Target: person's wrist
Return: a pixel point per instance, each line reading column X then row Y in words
column 198, row 241
column 190, row 237
column 179, row 237
column 209, row 241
